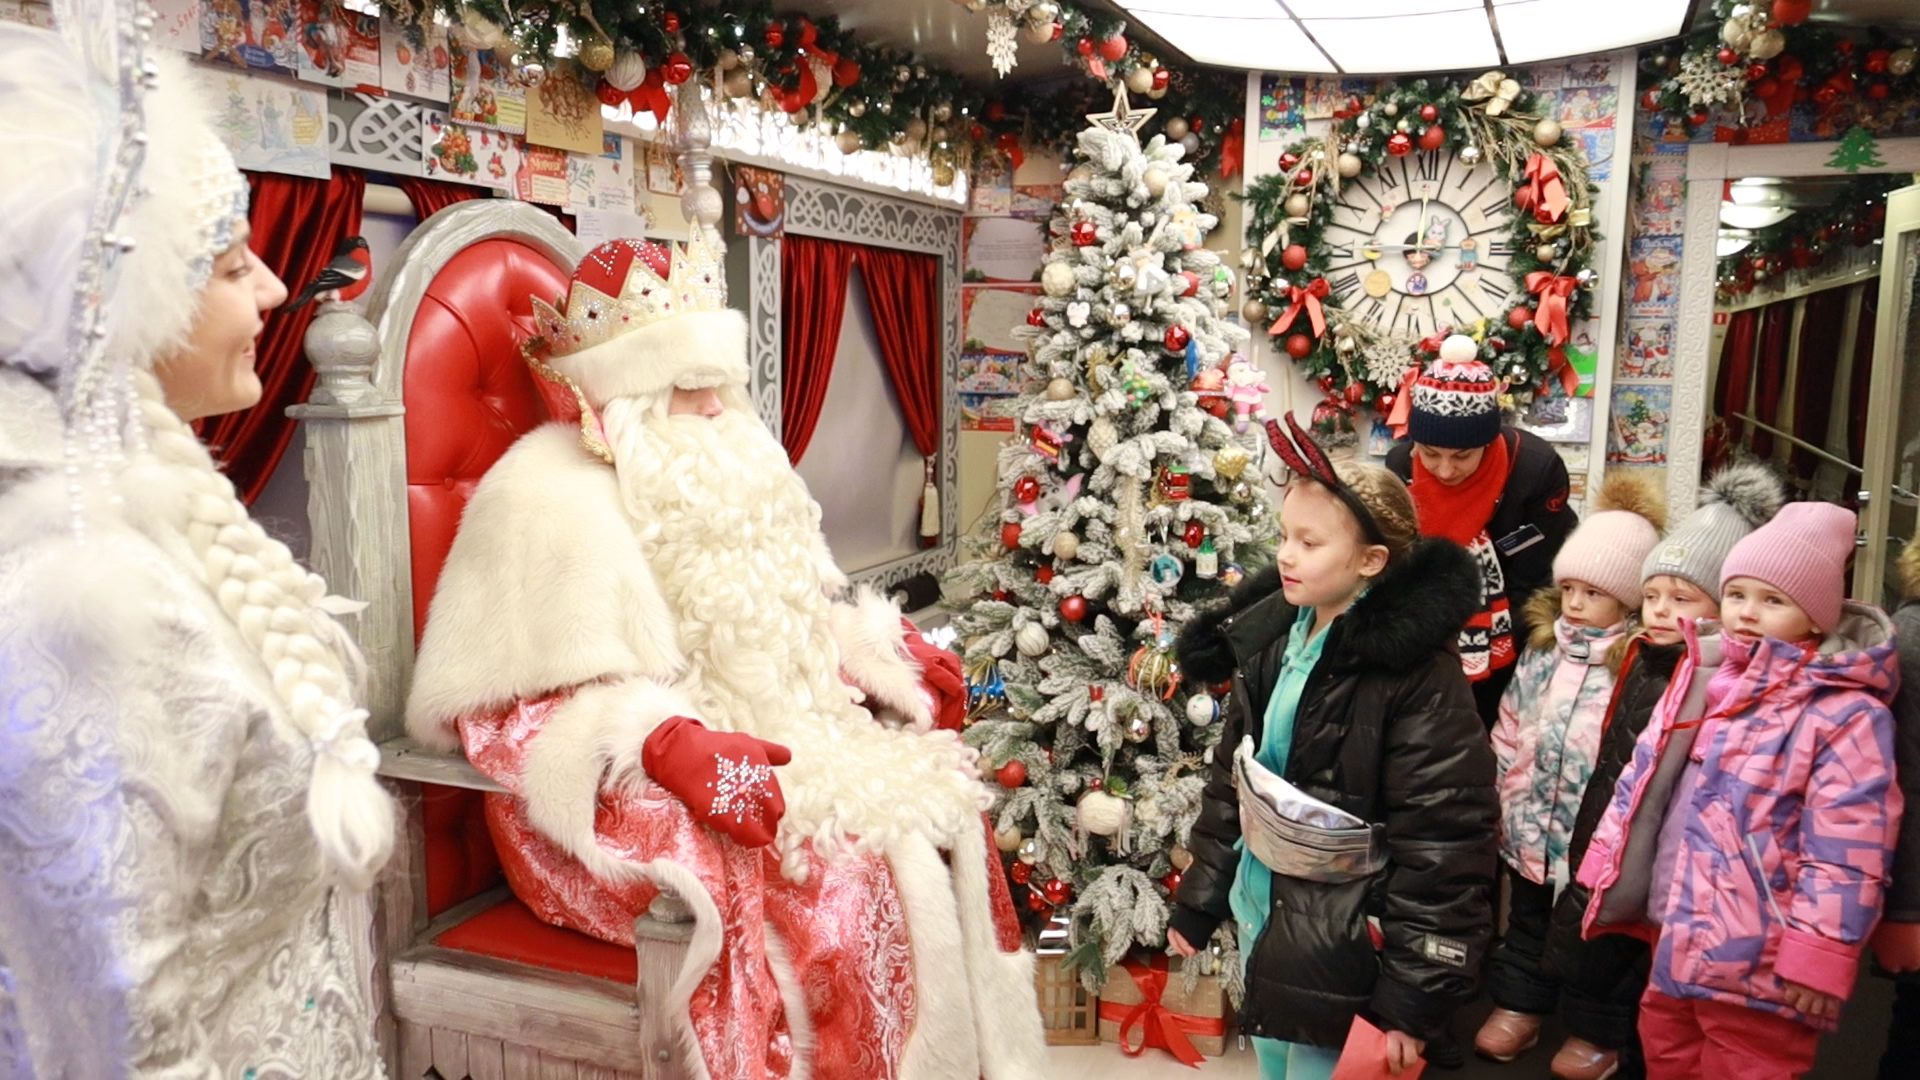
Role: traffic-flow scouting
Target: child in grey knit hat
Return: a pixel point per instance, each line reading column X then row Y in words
column 1681, row 578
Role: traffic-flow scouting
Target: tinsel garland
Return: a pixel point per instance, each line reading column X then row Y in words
column 1354, row 364
column 1804, row 240
column 1759, row 59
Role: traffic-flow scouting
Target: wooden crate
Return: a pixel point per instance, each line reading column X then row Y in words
column 1208, row 1000
column 1067, row 1010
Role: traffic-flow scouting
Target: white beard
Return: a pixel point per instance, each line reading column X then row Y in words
column 733, row 538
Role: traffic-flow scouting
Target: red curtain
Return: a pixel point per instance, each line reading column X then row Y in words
column 297, row 224
column 1813, row 382
column 1861, row 385
column 1770, row 372
column 904, row 292
column 429, row 197
column 1732, row 385
column 813, row 300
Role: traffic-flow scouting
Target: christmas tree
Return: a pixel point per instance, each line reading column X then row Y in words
column 1132, row 498
column 1857, row 150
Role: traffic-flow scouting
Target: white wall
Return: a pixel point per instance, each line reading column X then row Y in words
column 861, row 464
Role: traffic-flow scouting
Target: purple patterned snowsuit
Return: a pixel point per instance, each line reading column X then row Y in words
column 1789, row 829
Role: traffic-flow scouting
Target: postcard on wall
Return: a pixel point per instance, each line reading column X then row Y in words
column 1036, row 200
column 1561, row 419
column 1638, row 419
column 1653, row 277
column 176, row 24
column 992, row 193
column 989, row 314
column 415, row 59
column 1647, row 350
column 596, row 227
column 269, row 126
column 562, row 113
column 976, row 411
column 1663, row 196
column 1282, row 105
column 339, row 47
column 38, row 13
column 1587, row 107
column 256, row 34
column 462, row 154
column 664, row 176
column 759, row 202
column 485, row 90
column 540, row 174
column 1002, row 249
column 602, row 181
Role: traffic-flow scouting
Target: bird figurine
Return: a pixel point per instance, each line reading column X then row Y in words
column 345, row 277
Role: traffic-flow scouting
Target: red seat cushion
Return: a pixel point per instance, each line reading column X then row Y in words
column 469, row 396
column 511, row 932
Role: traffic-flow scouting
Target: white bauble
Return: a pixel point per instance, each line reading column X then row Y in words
column 1102, row 814
column 1191, row 144
column 1066, row 546
column 628, row 71
column 1156, row 180
column 1057, row 279
column 1202, row 709
column 1032, row 640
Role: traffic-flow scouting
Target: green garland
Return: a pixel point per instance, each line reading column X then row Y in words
column 1803, row 240
column 1504, row 141
column 1211, row 102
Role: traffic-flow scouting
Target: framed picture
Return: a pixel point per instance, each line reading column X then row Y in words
column 663, row 171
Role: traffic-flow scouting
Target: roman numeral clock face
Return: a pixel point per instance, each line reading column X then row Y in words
column 1422, row 243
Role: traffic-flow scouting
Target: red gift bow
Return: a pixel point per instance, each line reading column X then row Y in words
column 1551, row 320
column 1161, row 1027
column 649, row 96
column 1308, row 300
column 1786, row 75
column 1544, row 195
column 1233, row 148
column 1402, row 415
column 1009, row 144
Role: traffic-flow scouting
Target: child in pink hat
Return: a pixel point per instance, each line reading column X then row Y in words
column 1768, row 796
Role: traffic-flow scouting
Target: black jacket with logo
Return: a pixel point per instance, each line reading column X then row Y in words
column 1387, row 731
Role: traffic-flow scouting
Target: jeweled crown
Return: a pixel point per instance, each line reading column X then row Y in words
column 624, row 285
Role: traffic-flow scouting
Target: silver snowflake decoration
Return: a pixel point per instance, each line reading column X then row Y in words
column 1704, row 81
column 1001, row 43
column 740, row 788
column 1387, row 359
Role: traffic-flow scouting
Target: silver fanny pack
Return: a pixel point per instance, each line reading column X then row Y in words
column 1293, row 833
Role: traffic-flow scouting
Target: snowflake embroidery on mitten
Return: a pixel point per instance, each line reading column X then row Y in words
column 740, row 786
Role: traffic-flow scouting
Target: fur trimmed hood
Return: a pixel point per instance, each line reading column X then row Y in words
column 695, row 350
column 1543, row 610
column 1418, row 605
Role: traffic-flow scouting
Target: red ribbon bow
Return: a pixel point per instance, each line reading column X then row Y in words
column 649, row 96
column 1307, row 300
column 1544, row 195
column 1551, row 320
column 1402, row 414
column 1161, row 1028
column 1233, row 148
column 1009, row 144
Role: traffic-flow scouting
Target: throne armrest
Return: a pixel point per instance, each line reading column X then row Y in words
column 404, row 759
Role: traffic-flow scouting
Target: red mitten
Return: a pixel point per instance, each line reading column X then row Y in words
column 941, row 677
column 1897, row 946
column 725, row 778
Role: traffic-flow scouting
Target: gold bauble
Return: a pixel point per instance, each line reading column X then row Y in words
column 1066, row 546
column 1230, row 461
column 1350, row 165
column 1547, row 132
column 1767, row 44
column 916, row 129
column 1028, row 852
column 1139, row 728
column 1901, row 61
column 1040, row 32
column 1059, row 389
column 1298, row 206
column 848, row 142
column 943, row 174
column 938, row 135
column 1254, row 312
column 1140, row 80
column 728, row 60
column 1545, row 253
column 1180, row 857
column 596, row 55
column 1177, row 129
column 1156, row 179
column 737, row 83
column 1010, row 839
column 942, row 113
column 1157, row 93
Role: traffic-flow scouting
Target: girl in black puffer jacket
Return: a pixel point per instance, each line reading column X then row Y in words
column 1346, row 684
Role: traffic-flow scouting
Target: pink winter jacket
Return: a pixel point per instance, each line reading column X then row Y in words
column 1788, row 832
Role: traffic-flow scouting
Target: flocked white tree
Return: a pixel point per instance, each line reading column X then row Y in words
column 1131, row 498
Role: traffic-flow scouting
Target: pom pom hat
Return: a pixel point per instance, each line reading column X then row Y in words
column 1802, row 552
column 1738, row 500
column 1456, row 402
column 1607, row 550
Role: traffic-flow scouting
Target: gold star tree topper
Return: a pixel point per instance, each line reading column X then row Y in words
column 1123, row 118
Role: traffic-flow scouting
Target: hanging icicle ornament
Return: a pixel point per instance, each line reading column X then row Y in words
column 1002, row 41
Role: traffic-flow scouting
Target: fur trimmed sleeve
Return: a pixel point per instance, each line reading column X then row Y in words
column 874, row 660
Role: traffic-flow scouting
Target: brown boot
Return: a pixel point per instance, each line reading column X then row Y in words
column 1579, row 1059
column 1507, row 1034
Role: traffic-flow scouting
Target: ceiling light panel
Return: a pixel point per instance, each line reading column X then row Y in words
column 1752, row 217
column 1403, row 43
column 1535, row 30
column 1253, row 34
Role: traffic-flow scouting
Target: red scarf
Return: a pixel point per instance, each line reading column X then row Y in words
column 1461, row 513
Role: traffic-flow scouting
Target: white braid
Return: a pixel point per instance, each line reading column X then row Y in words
column 311, row 661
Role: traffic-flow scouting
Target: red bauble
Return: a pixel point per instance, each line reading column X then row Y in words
column 1520, row 318
column 1000, row 595
column 1189, row 282
column 809, row 33
column 1036, row 317
column 1325, row 383
column 1026, row 489
column 1356, row 393
column 846, row 72
column 1876, row 62
column 1195, row 534
column 1728, row 56
column 1020, row 872
column 1791, row 12
column 1400, row 145
column 1878, row 91
column 996, row 111
column 1845, row 46
column 1084, row 234
column 1698, row 118
column 1096, row 692
column 1056, row 891
column 1766, row 87
column 1172, row 882
column 1289, row 161
column 775, row 36
column 978, row 132
column 1043, row 575
column 679, row 69
column 1059, row 31
column 1216, row 407
column 1826, row 97
column 1161, row 78
column 1294, row 257
column 1862, row 236
column 1756, row 72
column 1497, row 344
column 1429, row 113
column 1299, row 346
column 670, row 22
column 1096, row 784
column 1176, row 338
column 1303, row 178
column 1113, row 48
column 1084, row 46
column 1011, row 775
column 1010, row 534
column 1433, row 138
column 1877, row 214
column 1651, row 99
column 1073, row 608
column 1384, row 404
column 1037, row 903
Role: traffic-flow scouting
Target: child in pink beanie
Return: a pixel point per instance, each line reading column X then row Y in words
column 1771, row 852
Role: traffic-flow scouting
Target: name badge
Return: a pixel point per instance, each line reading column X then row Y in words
column 1519, row 540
